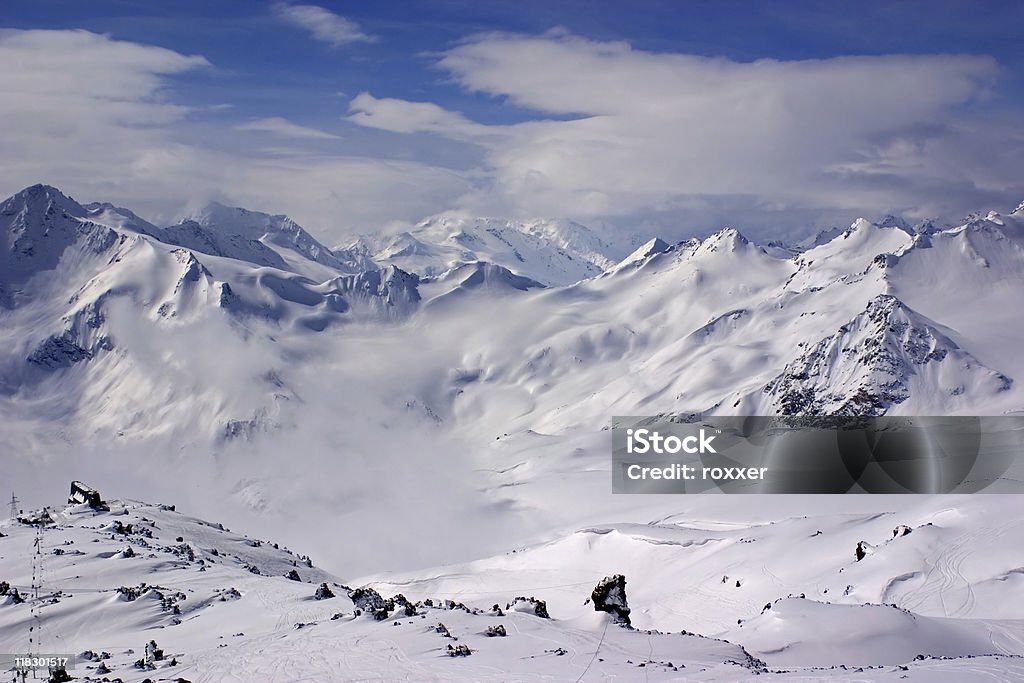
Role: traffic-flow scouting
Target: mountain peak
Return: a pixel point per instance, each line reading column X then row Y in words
column 40, row 189
column 36, row 226
column 645, row 251
column 884, row 348
column 728, row 237
column 221, row 216
column 860, row 225
column 927, row 226
column 41, row 197
column 731, row 233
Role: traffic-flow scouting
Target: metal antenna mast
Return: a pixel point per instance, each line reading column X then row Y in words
column 14, row 506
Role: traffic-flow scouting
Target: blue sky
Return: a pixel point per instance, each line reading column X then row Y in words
column 355, row 116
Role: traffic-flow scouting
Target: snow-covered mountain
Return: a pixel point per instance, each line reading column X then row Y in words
column 127, row 335
column 99, row 306
column 552, row 252
column 259, row 238
column 448, row 404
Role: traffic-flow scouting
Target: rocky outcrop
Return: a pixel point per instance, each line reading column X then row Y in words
column 610, row 596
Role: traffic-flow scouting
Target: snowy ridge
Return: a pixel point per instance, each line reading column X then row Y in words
column 550, row 252
column 84, row 288
column 258, row 238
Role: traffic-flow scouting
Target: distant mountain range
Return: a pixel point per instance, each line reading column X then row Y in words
column 876, row 319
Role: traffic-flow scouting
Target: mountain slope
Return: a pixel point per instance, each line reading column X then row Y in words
column 220, row 605
column 142, row 592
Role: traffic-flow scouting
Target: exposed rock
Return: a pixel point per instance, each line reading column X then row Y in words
column 863, row 550
column 531, row 604
column 610, row 596
column 323, row 592
column 58, row 352
column 459, row 651
column 366, row 599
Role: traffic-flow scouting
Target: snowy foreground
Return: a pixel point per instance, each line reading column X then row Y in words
column 427, row 414
column 935, row 598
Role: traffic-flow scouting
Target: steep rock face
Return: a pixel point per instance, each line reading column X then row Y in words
column 85, row 332
column 390, row 291
column 58, row 352
column 898, row 222
column 84, row 336
column 868, row 365
column 194, row 286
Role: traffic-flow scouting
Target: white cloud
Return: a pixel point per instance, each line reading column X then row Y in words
column 652, row 131
column 339, row 196
column 82, row 109
column 402, row 116
column 68, row 81
column 666, row 142
column 324, row 25
column 95, row 117
column 285, row 128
